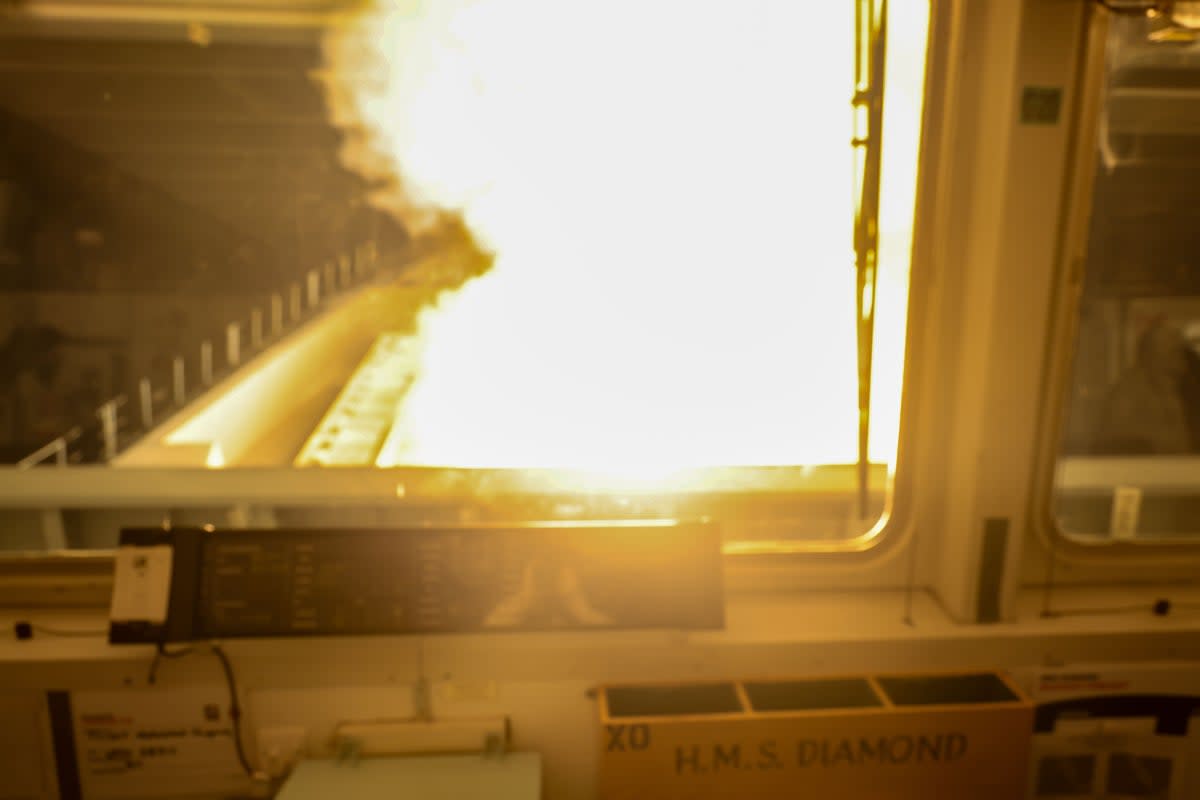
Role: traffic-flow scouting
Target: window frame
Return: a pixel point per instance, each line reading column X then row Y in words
column 1074, row 226
column 66, row 577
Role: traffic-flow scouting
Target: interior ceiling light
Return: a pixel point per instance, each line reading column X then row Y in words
column 1183, row 13
column 1179, row 14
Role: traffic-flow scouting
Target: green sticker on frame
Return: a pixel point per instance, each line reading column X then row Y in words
column 1040, row 105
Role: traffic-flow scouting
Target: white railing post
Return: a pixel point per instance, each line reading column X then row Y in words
column 146, row 400
column 206, row 362
column 178, row 385
column 108, row 428
column 233, row 344
column 314, row 289
column 276, row 314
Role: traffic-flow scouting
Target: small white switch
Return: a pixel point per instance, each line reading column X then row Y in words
column 141, row 584
column 1126, row 508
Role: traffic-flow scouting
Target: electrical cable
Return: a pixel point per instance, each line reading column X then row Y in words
column 160, row 653
column 1099, row 611
column 235, row 708
column 1159, row 608
column 65, row 632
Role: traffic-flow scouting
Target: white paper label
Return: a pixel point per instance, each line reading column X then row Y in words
column 1126, row 508
column 142, row 584
column 156, row 743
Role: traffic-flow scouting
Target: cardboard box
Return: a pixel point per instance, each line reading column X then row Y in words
column 1116, row 731
column 894, row 736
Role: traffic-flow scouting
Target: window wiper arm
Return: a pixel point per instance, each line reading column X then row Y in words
column 870, row 49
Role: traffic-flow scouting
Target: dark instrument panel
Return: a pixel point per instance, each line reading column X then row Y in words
column 264, row 583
